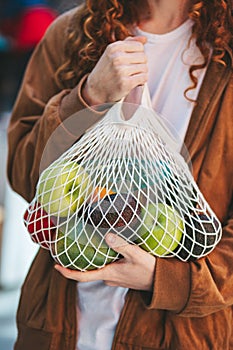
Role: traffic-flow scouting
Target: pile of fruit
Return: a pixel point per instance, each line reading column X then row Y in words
column 71, row 215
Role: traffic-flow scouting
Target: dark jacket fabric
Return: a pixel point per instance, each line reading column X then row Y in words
column 191, row 304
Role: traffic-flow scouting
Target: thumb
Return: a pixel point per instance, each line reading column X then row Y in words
column 140, row 38
column 120, row 245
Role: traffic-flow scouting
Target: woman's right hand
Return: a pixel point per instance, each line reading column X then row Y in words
column 122, row 67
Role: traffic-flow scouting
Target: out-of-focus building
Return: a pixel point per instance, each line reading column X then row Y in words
column 22, row 25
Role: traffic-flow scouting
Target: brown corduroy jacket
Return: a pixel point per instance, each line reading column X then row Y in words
column 190, row 307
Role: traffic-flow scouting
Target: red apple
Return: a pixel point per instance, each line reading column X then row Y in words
column 39, row 224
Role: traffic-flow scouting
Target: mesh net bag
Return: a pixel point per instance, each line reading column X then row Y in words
column 124, row 176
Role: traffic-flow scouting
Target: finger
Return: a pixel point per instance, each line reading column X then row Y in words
column 121, row 246
column 138, row 79
column 137, row 58
column 142, row 39
column 112, row 284
column 80, row 276
column 125, row 46
column 120, row 58
column 136, row 69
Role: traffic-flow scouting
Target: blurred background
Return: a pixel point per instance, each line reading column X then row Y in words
column 22, row 25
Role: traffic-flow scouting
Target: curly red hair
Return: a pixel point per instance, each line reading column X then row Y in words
column 98, row 23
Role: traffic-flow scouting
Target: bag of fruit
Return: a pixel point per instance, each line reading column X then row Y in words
column 126, row 176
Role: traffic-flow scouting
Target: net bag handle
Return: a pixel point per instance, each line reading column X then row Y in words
column 151, row 120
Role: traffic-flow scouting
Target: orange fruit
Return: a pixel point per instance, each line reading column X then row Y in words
column 100, row 192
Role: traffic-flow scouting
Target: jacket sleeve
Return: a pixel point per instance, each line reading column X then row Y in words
column 37, row 134
column 205, row 286
column 198, row 288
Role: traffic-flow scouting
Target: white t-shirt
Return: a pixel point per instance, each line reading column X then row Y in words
column 169, row 60
column 99, row 306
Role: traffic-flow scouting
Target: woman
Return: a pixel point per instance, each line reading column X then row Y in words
column 94, row 55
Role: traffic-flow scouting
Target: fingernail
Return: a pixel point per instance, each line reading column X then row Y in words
column 111, row 238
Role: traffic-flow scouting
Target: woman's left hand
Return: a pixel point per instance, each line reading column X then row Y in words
column 135, row 270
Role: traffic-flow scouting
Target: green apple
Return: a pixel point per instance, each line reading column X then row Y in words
column 161, row 230
column 63, row 187
column 73, row 249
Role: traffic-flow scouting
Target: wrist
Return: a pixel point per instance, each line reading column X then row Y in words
column 89, row 96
